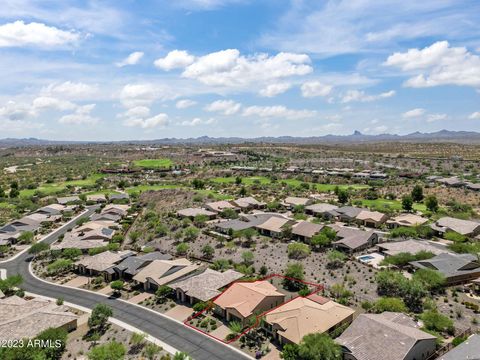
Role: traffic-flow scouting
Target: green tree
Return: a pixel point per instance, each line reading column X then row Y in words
column 343, row 196
column 109, row 351
column 181, row 356
column 417, row 193
column 117, row 286
column 162, row 293
column 54, row 336
column 152, row 350
column 72, row 253
column 247, row 257
column 431, row 203
column 293, row 273
column 392, row 304
column 26, row 237
column 208, row 251
column 191, row 233
column 99, row 317
column 335, row 259
column 313, row 347
column 182, row 248
column 298, row 250
column 431, row 279
column 238, row 180
column 407, row 203
column 59, row 266
column 8, row 285
column 435, row 321
column 37, row 248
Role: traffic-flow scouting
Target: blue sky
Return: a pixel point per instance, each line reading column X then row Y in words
column 119, row 70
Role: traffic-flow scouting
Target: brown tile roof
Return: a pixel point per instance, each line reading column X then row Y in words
column 20, row 318
column 372, row 336
column 206, row 285
column 246, row 296
column 306, row 229
column 301, row 316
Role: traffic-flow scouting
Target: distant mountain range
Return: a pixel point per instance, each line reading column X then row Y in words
column 463, row 137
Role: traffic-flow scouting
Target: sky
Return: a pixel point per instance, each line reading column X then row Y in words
column 149, row 69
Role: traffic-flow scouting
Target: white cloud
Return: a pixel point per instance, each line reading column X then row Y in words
column 475, row 115
column 71, row 90
column 185, row 103
column 197, row 121
column 80, row 116
column 16, row 111
column 279, row 111
column 413, row 113
column 47, row 103
column 143, row 94
column 229, row 68
column 136, row 112
column 131, row 59
column 19, row 34
column 359, row 95
column 315, row 88
column 175, row 59
column 225, row 107
column 438, row 64
column 272, row 90
column 436, row 117
column 19, row 126
column 148, row 123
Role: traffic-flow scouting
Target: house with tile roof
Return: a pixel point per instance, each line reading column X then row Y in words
column 163, row 272
column 244, row 299
column 305, row 230
column 456, row 268
column 204, row 286
column 21, row 318
column 392, row 336
column 290, row 322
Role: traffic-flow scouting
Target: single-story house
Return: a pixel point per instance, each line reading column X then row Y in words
column 204, row 286
column 408, row 220
column 119, row 196
column 131, row 266
column 457, row 268
column 453, row 181
column 21, row 318
column 244, row 299
column 219, row 206
column 389, row 335
column 73, row 242
column 464, row 227
column 98, row 198
column 106, row 217
column 411, row 246
column 192, row 212
column 162, row 272
column 95, row 230
column 244, row 222
column 42, row 218
column 353, row 240
column 23, row 224
column 290, row 322
column 305, row 230
column 320, row 209
column 99, row 263
column 116, row 209
column 293, row 201
column 9, row 238
column 52, row 209
column 371, row 218
column 467, row 350
column 274, row 226
column 247, row 203
column 345, row 213
column 68, row 199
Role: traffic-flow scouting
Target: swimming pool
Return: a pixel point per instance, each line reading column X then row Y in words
column 366, row 258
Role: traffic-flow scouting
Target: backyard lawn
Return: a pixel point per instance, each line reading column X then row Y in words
column 53, row 188
column 153, row 163
column 392, row 204
column 292, row 182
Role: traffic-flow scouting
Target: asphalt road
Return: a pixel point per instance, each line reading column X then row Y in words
column 198, row 346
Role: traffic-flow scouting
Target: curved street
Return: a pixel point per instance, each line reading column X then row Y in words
column 197, row 345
